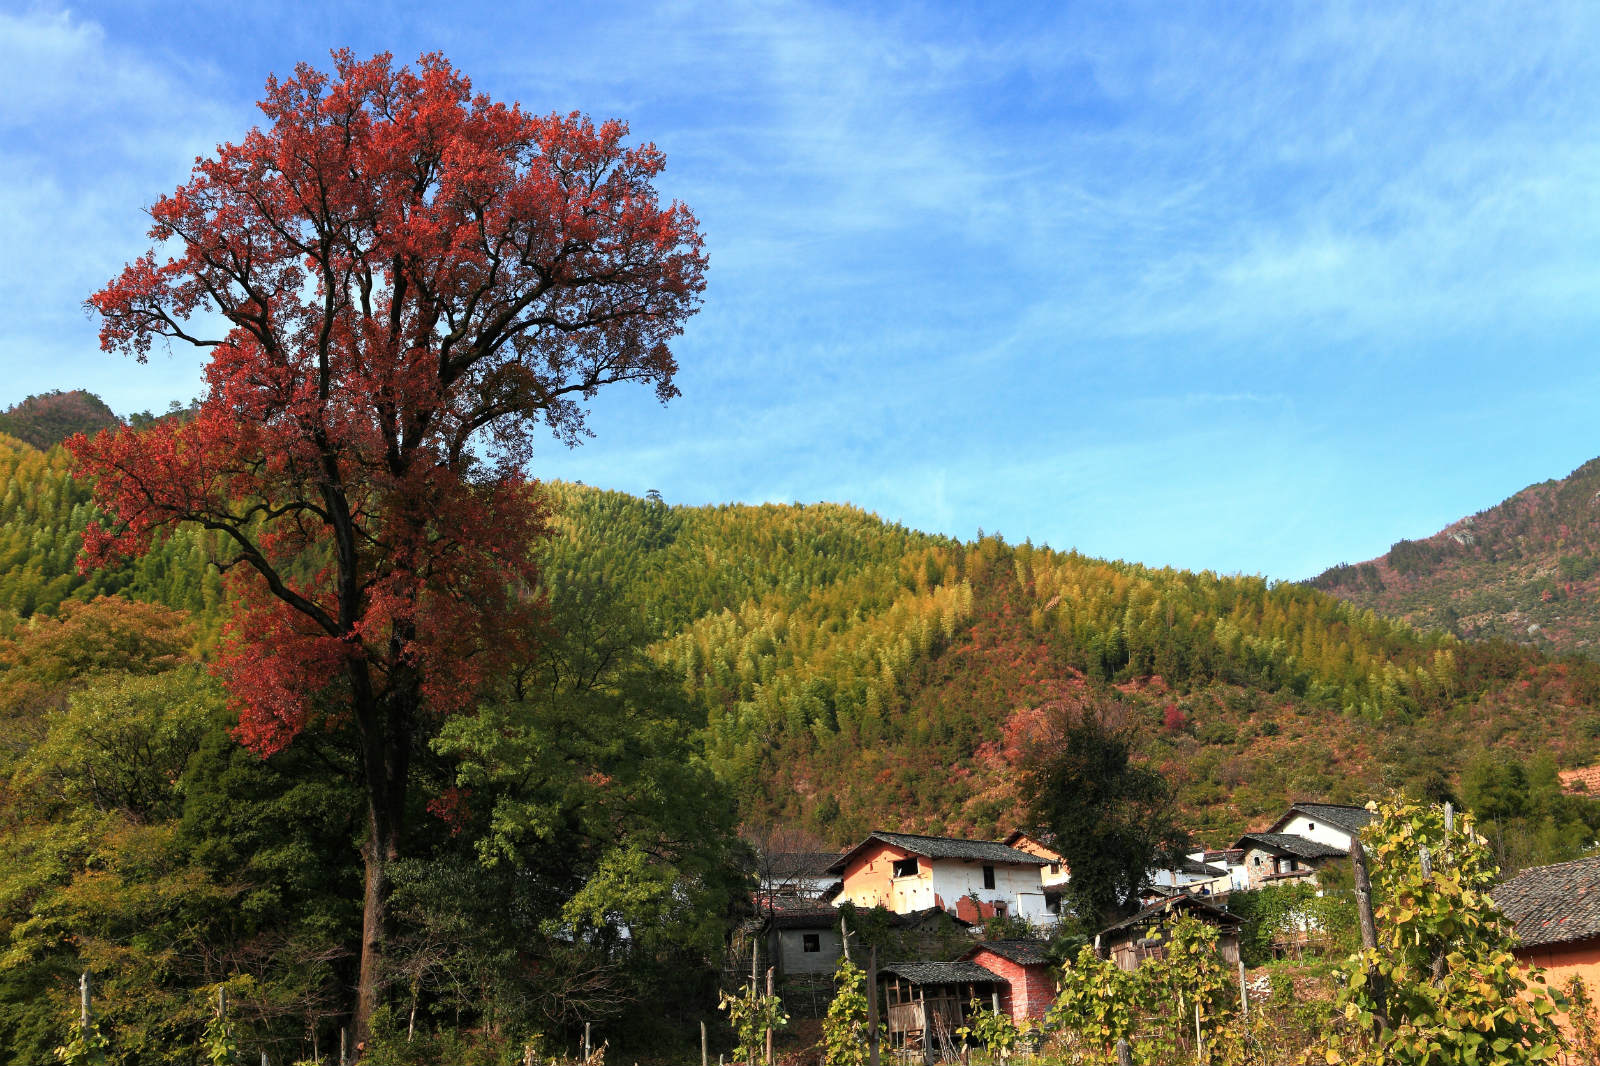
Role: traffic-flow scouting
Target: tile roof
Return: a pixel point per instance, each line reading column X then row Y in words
column 1553, row 904
column 1190, row 903
column 784, row 865
column 1297, row 846
column 942, row 973
column 1582, row 782
column 943, row 848
column 1347, row 817
column 1021, row 952
column 802, row 914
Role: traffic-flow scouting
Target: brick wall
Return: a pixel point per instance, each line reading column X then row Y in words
column 1030, row 989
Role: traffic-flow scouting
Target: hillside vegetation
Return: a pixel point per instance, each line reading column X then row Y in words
column 853, row 673
column 1526, row 570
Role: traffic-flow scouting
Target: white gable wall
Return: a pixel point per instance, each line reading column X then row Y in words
column 1302, row 826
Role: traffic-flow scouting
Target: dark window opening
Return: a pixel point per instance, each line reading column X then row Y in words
column 988, row 877
column 810, row 941
column 1055, row 868
column 905, row 867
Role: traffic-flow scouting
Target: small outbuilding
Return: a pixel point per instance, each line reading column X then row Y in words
column 1144, row 936
column 1030, row 988
column 927, row 1002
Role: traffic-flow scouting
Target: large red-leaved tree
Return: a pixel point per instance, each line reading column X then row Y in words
column 410, row 281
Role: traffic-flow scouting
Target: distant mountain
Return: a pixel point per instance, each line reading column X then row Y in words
column 51, row 417
column 1526, row 570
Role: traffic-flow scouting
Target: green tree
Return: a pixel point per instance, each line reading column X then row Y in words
column 1113, row 818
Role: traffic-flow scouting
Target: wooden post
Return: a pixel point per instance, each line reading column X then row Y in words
column 83, row 1002
column 769, row 1028
column 927, row 1027
column 1199, row 1041
column 1426, row 860
column 1124, row 1052
column 1369, row 929
column 704, row 1054
column 586, row 1043
column 872, row 1007
column 1244, row 993
column 344, row 1057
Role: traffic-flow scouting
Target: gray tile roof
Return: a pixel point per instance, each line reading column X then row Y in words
column 782, row 865
column 1201, row 909
column 1021, row 952
column 1290, row 844
column 943, row 848
column 1350, row 819
column 1553, row 904
column 942, row 973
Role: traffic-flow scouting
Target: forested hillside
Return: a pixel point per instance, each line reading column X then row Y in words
column 853, row 673
column 1526, row 570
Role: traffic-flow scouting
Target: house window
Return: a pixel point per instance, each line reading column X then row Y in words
column 1311, row 827
column 1055, row 868
column 988, row 877
column 905, row 867
column 810, row 941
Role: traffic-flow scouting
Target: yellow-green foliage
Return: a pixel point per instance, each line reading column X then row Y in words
column 1442, row 986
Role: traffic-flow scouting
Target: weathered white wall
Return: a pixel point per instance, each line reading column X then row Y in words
column 1017, row 886
column 1321, row 832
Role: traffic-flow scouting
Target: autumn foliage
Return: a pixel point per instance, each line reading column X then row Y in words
column 413, row 281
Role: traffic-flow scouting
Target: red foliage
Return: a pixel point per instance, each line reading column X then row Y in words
column 413, row 278
column 1172, row 718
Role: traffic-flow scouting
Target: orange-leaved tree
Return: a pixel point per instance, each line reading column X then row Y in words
column 410, row 280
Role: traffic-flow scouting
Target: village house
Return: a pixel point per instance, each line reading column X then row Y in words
column 971, row 879
column 802, row 936
column 1029, row 988
column 1556, row 913
column 1305, row 838
column 1133, row 940
column 1192, row 876
column 798, row 874
column 1041, row 842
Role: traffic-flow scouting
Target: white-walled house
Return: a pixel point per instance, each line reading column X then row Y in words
column 1306, row 837
column 971, row 879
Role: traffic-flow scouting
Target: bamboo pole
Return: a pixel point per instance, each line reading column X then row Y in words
column 83, row 1005
column 704, row 1054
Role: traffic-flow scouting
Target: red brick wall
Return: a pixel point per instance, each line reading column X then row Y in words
column 1030, row 989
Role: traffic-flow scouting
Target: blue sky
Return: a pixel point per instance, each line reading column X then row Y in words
column 1254, row 288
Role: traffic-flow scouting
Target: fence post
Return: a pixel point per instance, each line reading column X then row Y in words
column 703, row 1053
column 769, row 1028
column 586, row 1043
column 1244, row 993
column 83, row 996
column 872, row 1006
column 1124, row 1052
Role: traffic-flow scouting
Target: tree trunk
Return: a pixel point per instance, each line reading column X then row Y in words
column 385, row 726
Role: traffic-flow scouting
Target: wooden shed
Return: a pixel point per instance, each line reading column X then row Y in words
column 1143, row 936
column 928, row 1001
